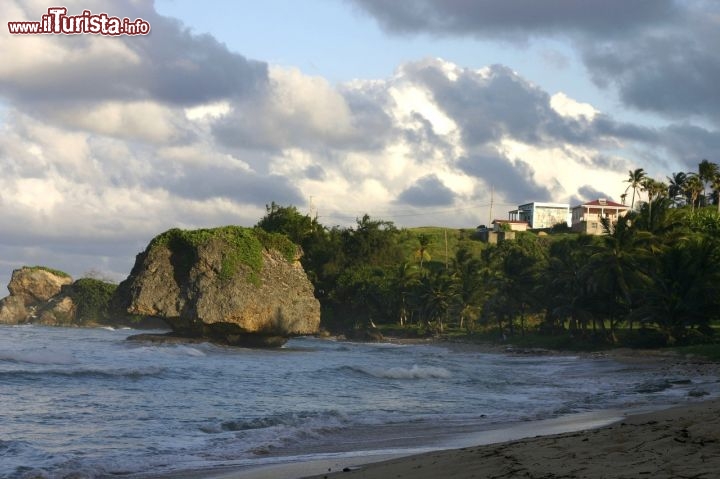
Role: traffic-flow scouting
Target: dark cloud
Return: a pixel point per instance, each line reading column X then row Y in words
column 589, row 193
column 171, row 65
column 690, row 144
column 498, row 103
column 315, row 172
column 660, row 55
column 673, row 72
column 369, row 105
column 486, row 105
column 516, row 18
column 257, row 123
column 186, row 69
column 206, row 182
column 514, row 180
column 427, row 191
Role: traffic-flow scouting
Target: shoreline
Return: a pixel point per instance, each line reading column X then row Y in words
column 681, row 441
column 542, row 434
column 678, row 441
column 296, row 467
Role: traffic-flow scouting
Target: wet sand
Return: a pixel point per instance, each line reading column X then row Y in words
column 674, row 443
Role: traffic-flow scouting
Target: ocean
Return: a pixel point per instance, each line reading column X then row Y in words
column 86, row 403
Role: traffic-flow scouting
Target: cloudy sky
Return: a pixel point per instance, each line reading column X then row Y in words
column 412, row 111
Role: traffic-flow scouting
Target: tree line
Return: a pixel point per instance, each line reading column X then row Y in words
column 653, row 278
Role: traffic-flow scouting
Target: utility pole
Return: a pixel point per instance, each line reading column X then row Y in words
column 492, row 197
column 312, row 213
column 446, row 250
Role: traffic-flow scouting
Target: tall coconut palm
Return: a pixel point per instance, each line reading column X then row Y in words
column 715, row 184
column 654, row 189
column 706, row 172
column 614, row 270
column 467, row 273
column 422, row 252
column 635, row 179
column 676, row 187
column 693, row 188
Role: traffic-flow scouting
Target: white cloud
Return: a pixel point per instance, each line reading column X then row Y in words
column 143, row 121
column 208, row 111
column 568, row 107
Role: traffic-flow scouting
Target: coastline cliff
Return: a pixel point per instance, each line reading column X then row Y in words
column 231, row 285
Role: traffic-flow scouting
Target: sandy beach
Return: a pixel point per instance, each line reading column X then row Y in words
column 680, row 442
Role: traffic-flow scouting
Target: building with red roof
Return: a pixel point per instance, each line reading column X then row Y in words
column 586, row 217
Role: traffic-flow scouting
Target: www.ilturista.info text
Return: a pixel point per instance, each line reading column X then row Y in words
column 58, row 22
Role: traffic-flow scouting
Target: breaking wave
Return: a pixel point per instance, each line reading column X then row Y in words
column 415, row 372
column 125, row 373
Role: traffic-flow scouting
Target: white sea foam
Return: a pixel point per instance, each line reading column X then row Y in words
column 415, row 372
column 190, row 351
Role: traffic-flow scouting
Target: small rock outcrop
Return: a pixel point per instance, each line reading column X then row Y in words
column 46, row 296
column 30, row 290
column 232, row 285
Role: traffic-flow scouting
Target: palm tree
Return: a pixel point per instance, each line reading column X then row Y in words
column 683, row 291
column 654, row 189
column 677, row 185
column 614, row 271
column 635, row 178
column 434, row 295
column 406, row 277
column 706, row 172
column 693, row 188
column 715, row 184
column 467, row 273
column 421, row 252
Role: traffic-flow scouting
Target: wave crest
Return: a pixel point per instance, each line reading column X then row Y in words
column 415, row 372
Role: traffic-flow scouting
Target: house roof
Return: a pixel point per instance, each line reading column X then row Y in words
column 509, row 221
column 602, row 202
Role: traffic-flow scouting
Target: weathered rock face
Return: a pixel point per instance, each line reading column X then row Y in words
column 60, row 310
column 13, row 310
column 36, row 285
column 30, row 289
column 223, row 284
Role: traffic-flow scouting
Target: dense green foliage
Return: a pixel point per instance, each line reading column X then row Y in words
column 652, row 279
column 91, row 298
column 56, row 272
column 245, row 246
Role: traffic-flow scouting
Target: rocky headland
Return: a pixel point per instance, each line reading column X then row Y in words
column 231, row 285
column 35, row 297
column 42, row 295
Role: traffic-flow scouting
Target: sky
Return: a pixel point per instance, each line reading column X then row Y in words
column 420, row 112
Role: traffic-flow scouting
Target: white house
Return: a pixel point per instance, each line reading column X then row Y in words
column 541, row 215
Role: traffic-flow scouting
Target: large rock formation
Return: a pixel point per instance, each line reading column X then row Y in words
column 232, row 285
column 30, row 290
column 41, row 295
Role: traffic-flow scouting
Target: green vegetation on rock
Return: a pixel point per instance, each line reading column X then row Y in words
column 91, row 298
column 56, row 272
column 245, row 246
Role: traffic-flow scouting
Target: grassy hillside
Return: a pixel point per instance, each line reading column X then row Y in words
column 436, row 248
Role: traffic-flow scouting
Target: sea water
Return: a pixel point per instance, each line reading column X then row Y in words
column 89, row 403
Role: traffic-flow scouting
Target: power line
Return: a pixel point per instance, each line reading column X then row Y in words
column 390, row 214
